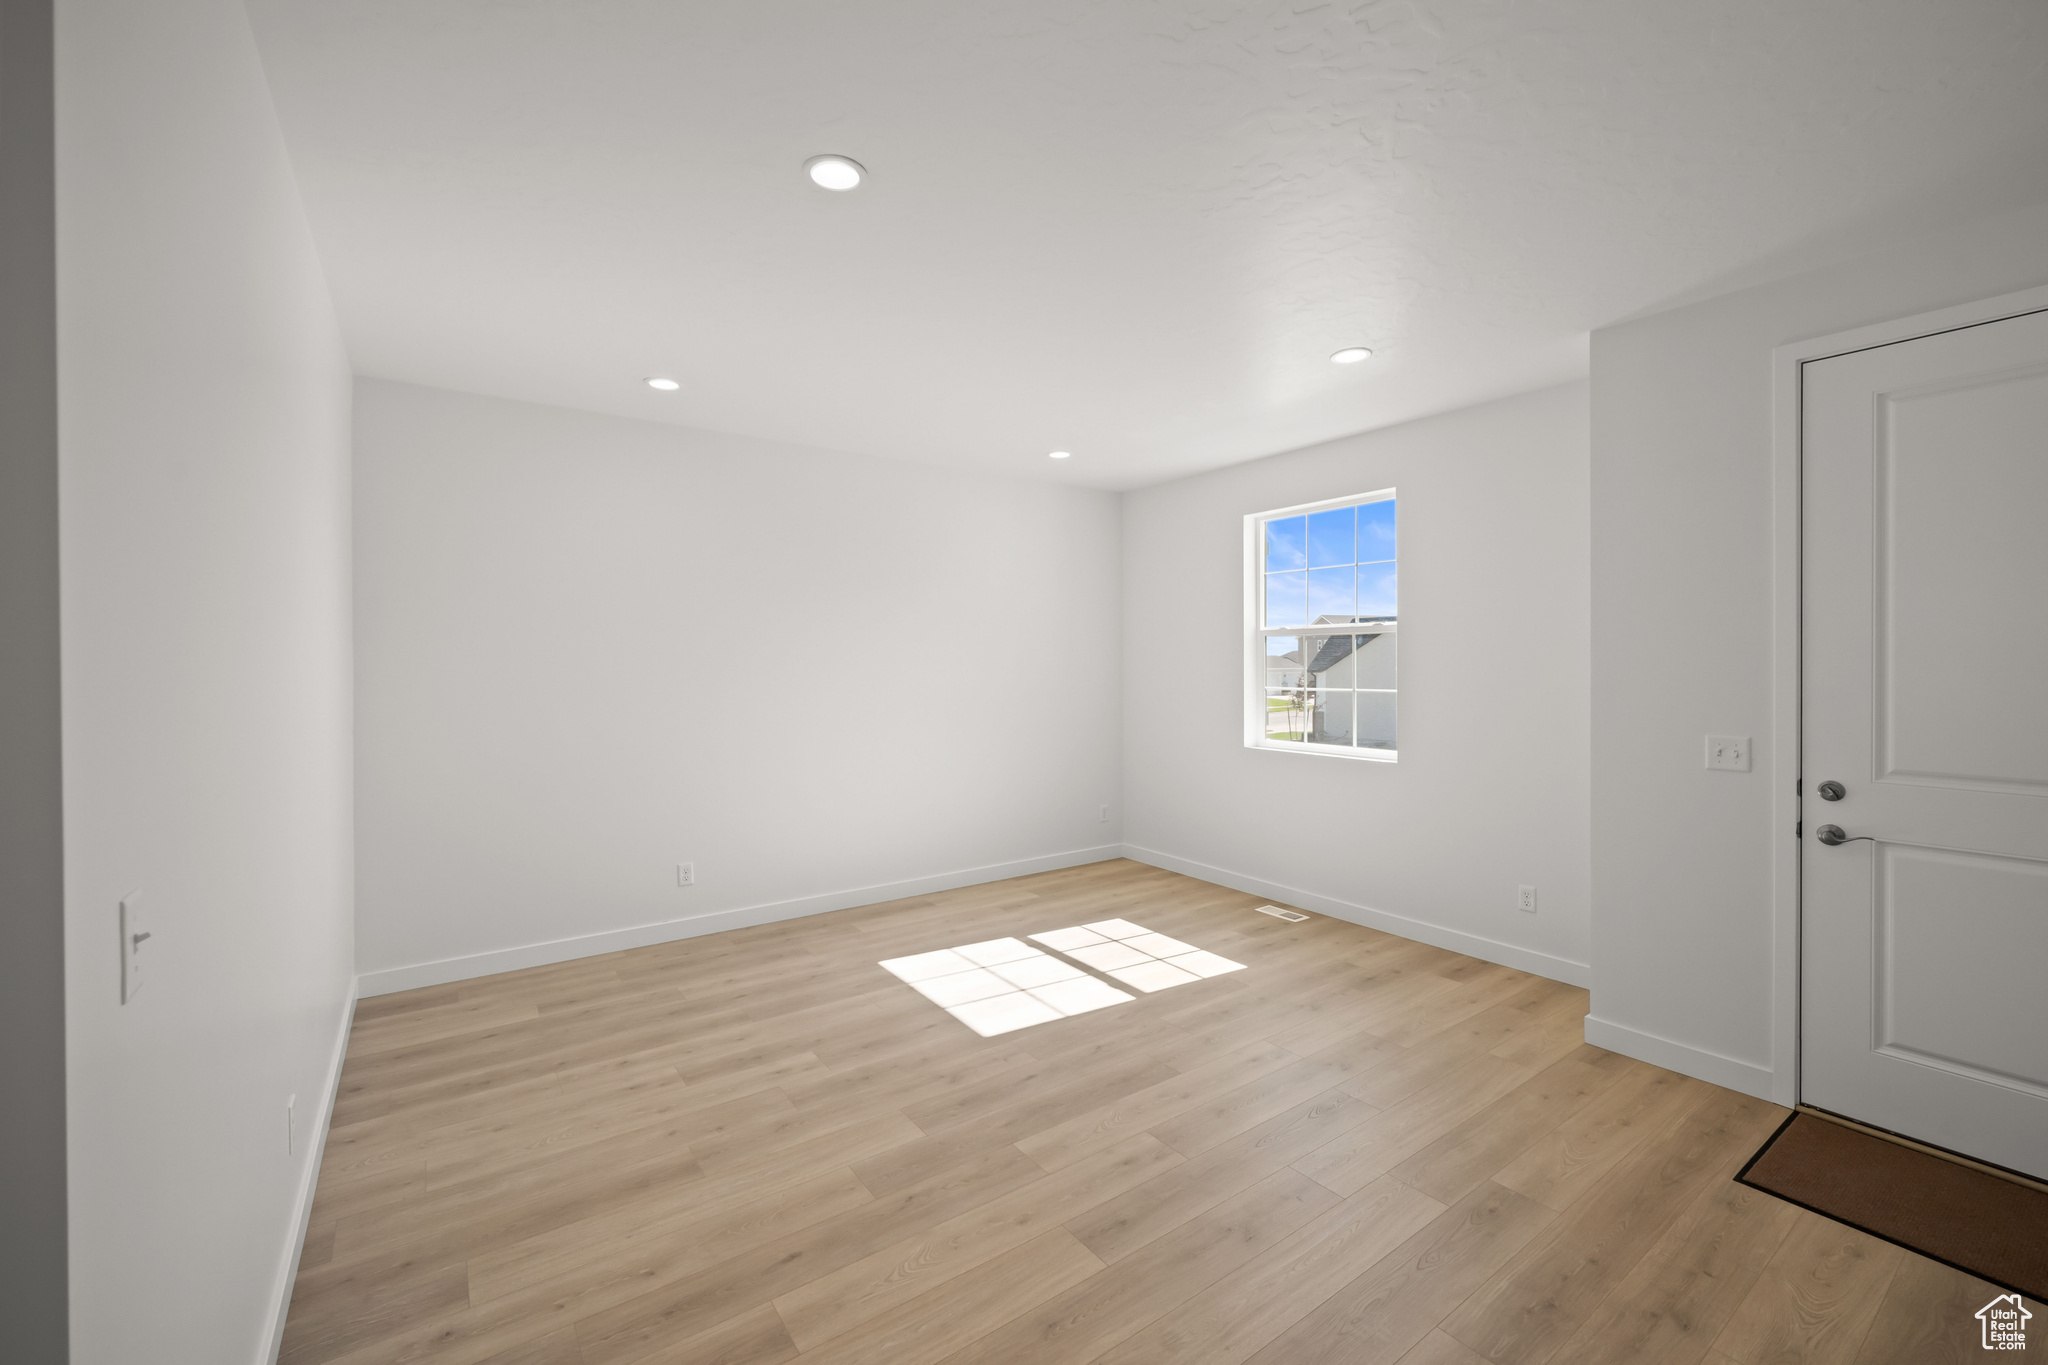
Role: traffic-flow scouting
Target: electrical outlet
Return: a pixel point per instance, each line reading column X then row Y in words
column 134, row 933
column 686, row 874
column 291, row 1124
column 1728, row 753
column 1525, row 899
column 1105, row 815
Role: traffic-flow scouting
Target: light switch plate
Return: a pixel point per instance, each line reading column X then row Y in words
column 1728, row 753
column 134, row 935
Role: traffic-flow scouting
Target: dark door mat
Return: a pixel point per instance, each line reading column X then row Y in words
column 1966, row 1218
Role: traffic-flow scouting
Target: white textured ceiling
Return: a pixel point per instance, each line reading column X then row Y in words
column 1134, row 230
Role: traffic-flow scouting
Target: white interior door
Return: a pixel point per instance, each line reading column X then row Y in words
column 1924, row 951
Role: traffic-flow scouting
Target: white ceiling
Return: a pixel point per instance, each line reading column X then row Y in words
column 1134, row 229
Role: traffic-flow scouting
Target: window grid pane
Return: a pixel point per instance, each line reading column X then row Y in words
column 1332, row 539
column 1287, row 715
column 1322, row 568
column 1284, row 548
column 1376, row 720
column 1287, row 599
column 1330, row 718
column 1376, row 590
column 1331, row 594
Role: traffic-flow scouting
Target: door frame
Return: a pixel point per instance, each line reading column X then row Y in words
column 1787, row 672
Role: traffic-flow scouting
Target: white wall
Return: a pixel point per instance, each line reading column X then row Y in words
column 204, row 522
column 1683, row 917
column 590, row 648
column 1490, row 789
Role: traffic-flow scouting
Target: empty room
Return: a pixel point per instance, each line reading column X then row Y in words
column 1023, row 682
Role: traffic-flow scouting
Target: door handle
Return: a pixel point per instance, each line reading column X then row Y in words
column 1834, row 834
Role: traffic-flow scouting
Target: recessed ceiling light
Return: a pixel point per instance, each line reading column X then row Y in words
column 1351, row 355
column 665, row 385
column 1060, row 455
column 835, row 172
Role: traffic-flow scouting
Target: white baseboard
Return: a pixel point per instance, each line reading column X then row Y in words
column 667, row 931
column 1697, row 1062
column 1472, row 945
column 315, row 1143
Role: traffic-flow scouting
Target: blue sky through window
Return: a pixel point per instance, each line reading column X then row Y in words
column 1333, row 538
column 1285, row 545
column 1337, row 563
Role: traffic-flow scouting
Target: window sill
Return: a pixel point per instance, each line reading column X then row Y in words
column 1281, row 746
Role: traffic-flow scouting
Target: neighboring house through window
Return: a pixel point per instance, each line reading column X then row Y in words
column 1320, row 662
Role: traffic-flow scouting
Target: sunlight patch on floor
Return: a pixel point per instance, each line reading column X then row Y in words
column 1135, row 955
column 1003, row 985
column 1006, row 984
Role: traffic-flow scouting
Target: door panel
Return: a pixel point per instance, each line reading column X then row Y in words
column 1961, row 559
column 1924, row 951
column 1956, row 987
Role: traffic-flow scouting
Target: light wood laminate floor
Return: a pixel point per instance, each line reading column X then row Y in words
column 758, row 1146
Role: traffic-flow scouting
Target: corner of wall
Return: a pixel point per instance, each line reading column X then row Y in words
column 1731, row 1072
column 1457, row 941
column 414, row 976
column 309, row 1183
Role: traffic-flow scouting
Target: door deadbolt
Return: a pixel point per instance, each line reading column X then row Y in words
column 1832, row 791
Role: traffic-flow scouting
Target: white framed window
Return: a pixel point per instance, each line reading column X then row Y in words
column 1323, row 628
